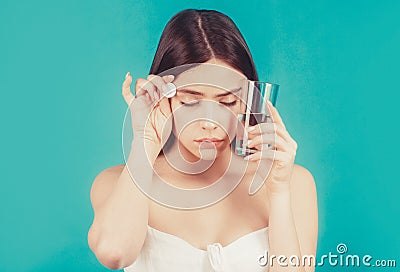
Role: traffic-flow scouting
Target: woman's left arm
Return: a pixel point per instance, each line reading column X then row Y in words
column 293, row 212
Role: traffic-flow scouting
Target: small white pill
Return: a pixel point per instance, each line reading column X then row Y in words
column 169, row 90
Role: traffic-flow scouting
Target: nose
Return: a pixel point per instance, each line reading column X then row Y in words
column 208, row 125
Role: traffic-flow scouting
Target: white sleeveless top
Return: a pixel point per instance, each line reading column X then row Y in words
column 166, row 252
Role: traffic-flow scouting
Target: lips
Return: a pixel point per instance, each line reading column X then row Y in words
column 208, row 143
column 213, row 140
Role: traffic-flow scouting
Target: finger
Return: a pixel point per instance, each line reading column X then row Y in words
column 168, row 78
column 282, row 132
column 165, row 106
column 145, row 88
column 276, row 118
column 126, row 89
column 264, row 147
column 262, row 128
column 164, row 103
column 277, row 141
column 270, row 128
column 274, row 155
column 159, row 83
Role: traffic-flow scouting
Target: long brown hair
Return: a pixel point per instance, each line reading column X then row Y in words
column 198, row 35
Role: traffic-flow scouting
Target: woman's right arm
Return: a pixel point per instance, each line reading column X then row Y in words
column 120, row 222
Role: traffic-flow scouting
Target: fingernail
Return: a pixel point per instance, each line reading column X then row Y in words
column 249, row 142
column 247, row 158
column 127, row 74
column 171, row 77
column 250, row 128
column 269, row 102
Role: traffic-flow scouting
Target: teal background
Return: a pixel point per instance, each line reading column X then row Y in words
column 62, row 66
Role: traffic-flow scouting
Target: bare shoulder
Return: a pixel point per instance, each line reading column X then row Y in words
column 305, row 208
column 104, row 183
column 302, row 180
column 303, row 189
column 304, row 196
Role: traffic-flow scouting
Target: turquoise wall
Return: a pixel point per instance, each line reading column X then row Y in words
column 62, row 65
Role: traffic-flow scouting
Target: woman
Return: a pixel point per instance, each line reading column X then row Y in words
column 239, row 232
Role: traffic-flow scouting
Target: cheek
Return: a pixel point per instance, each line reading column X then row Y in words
column 228, row 121
column 186, row 135
column 183, row 126
column 180, row 122
column 178, row 116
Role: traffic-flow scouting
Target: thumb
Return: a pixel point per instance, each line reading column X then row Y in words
column 165, row 105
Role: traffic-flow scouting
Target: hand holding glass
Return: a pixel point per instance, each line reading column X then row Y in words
column 254, row 97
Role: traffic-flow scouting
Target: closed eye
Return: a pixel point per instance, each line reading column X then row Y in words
column 229, row 104
column 195, row 102
column 191, row 103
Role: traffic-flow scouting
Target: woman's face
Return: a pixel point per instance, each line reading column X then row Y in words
column 205, row 108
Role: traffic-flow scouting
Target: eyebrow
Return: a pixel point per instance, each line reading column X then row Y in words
column 187, row 91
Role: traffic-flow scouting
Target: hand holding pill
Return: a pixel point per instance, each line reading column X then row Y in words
column 150, row 108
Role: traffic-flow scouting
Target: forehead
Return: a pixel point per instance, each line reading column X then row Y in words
column 209, row 78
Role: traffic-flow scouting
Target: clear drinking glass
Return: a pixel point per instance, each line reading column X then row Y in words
column 254, row 111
